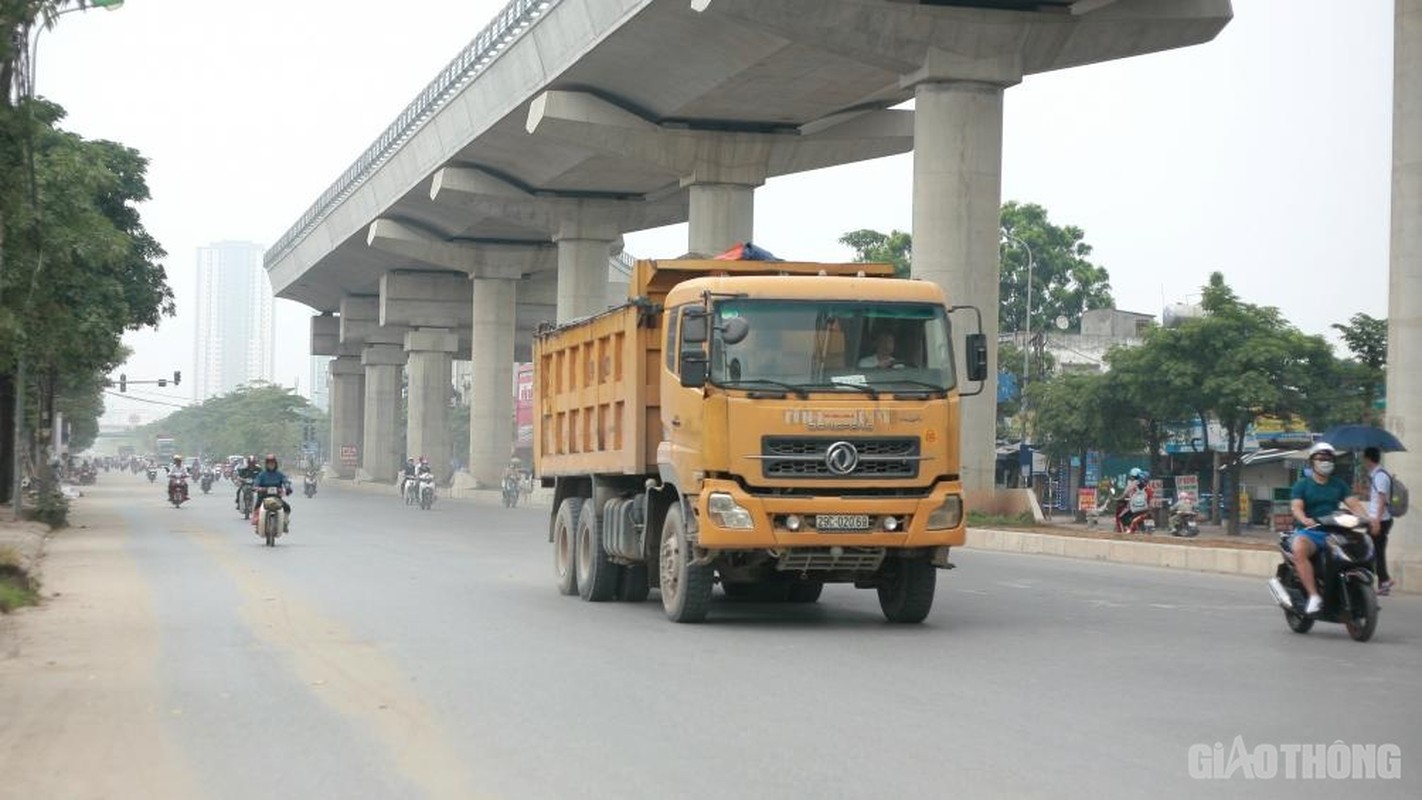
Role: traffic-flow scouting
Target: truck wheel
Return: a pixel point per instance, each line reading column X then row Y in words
column 564, row 524
column 686, row 589
column 806, row 591
column 597, row 575
column 634, row 586
column 906, row 590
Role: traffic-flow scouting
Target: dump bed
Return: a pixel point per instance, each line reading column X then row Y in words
column 596, row 408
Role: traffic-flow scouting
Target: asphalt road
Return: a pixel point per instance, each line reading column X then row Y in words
column 384, row 652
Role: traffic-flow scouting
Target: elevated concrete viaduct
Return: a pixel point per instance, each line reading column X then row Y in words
column 565, row 124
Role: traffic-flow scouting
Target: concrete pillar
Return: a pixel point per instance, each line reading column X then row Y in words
column 491, row 404
column 957, row 191
column 379, row 454
column 721, row 215
column 582, row 277
column 1404, row 308
column 427, row 370
column 347, row 411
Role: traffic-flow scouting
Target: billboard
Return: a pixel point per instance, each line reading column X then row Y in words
column 523, row 405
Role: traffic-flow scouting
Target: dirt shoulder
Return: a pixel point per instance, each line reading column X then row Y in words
column 81, row 711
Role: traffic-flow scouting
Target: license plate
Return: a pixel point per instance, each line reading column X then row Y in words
column 842, row 522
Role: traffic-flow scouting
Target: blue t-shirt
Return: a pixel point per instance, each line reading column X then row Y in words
column 270, row 478
column 1320, row 499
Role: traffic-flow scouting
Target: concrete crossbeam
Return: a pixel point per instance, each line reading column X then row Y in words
column 325, row 335
column 360, row 323
column 424, row 299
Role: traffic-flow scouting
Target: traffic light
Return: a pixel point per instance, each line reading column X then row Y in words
column 123, row 382
column 177, row 377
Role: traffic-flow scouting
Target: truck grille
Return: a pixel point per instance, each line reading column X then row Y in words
column 810, row 457
column 805, row 559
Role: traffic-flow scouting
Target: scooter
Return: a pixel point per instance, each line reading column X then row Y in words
column 206, row 482
column 244, row 497
column 511, row 491
column 1343, row 570
column 177, row 489
column 1185, row 524
column 152, row 474
column 308, row 486
column 1128, row 521
column 271, row 519
column 426, row 489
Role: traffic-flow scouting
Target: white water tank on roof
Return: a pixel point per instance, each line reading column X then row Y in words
column 1176, row 313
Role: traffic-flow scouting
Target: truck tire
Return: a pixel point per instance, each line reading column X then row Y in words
column 634, row 585
column 686, row 588
column 565, row 523
column 806, row 591
column 906, row 590
column 597, row 575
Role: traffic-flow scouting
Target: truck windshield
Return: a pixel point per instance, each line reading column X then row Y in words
column 837, row 345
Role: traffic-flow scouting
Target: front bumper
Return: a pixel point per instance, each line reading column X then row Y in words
column 768, row 532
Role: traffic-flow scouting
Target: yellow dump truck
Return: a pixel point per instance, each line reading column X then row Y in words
column 768, row 426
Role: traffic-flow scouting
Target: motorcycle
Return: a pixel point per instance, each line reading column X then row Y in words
column 206, row 482
column 1185, row 524
column 1344, row 575
column 152, row 474
column 426, row 490
column 511, row 491
column 244, row 497
column 409, row 488
column 309, row 486
column 177, row 489
column 1128, row 521
column 270, row 520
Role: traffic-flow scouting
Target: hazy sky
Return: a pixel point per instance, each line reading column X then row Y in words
column 1264, row 154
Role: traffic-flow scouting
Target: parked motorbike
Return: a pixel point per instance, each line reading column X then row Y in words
column 1344, row 575
column 244, row 497
column 177, row 489
column 426, row 490
column 309, row 486
column 510, row 491
column 206, row 482
column 271, row 516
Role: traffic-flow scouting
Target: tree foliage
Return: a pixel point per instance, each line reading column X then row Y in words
column 1065, row 283
column 256, row 418
column 895, row 247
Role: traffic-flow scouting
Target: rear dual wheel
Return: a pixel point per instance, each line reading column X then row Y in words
column 598, row 577
column 565, row 523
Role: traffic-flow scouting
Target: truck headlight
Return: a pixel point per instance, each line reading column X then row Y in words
column 727, row 513
column 946, row 516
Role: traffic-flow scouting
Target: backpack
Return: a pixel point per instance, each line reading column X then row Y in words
column 1139, row 501
column 1397, row 499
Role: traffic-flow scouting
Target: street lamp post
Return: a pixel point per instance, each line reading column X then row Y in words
column 1026, row 351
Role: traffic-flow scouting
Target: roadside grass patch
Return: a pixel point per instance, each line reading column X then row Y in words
column 17, row 588
column 977, row 519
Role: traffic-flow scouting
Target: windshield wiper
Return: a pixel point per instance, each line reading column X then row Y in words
column 865, row 388
column 930, row 387
column 789, row 387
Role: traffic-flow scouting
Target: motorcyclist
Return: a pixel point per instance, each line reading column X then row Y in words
column 1182, row 509
column 271, row 476
column 248, row 471
column 1317, row 495
column 175, row 474
column 407, row 474
column 1138, row 497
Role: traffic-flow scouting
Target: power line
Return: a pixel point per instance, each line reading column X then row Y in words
column 144, row 399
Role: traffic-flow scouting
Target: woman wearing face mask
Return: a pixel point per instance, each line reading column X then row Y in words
column 1315, row 496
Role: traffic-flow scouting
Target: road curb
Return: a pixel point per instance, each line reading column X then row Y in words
column 1224, row 560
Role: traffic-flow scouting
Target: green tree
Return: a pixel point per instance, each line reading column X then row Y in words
column 257, row 418
column 1065, row 283
column 1366, row 374
column 874, row 247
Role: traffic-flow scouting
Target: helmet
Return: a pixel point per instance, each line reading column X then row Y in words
column 270, row 459
column 1322, row 448
column 1136, row 472
column 410, row 460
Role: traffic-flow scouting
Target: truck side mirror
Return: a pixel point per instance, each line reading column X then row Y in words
column 695, row 325
column 977, row 354
column 693, row 369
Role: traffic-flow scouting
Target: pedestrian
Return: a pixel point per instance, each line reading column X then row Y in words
column 1380, row 489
